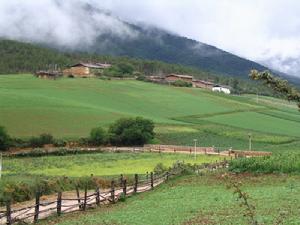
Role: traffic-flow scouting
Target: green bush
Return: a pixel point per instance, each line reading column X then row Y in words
column 181, row 83
column 125, row 68
column 160, row 168
column 141, row 77
column 40, row 141
column 4, row 139
column 59, row 143
column 98, row 136
column 131, row 131
column 119, row 70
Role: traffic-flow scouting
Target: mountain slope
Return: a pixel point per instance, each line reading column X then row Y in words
column 159, row 45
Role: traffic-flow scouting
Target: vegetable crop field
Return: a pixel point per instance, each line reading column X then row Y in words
column 70, row 108
column 22, row 175
column 98, row 164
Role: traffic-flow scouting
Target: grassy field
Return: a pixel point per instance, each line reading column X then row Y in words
column 98, row 164
column 195, row 200
column 69, row 108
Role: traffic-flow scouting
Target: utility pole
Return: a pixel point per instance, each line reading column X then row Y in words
column 250, row 141
column 195, row 148
column 0, row 165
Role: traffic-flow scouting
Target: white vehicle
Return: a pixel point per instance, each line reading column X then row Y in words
column 221, row 89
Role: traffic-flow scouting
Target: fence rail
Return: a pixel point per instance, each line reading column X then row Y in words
column 224, row 151
column 43, row 209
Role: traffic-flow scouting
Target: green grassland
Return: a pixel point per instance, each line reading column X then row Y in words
column 98, row 164
column 192, row 200
column 69, row 108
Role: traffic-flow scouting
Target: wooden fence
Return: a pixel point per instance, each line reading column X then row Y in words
column 119, row 189
column 177, row 148
column 205, row 150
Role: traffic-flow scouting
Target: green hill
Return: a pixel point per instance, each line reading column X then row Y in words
column 69, row 108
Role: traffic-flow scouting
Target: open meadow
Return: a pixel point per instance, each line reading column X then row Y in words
column 69, row 108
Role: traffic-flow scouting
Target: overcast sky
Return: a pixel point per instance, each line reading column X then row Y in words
column 266, row 31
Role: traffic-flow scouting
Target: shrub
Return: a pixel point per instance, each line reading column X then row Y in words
column 125, row 68
column 181, row 83
column 40, row 141
column 131, row 131
column 160, row 168
column 19, row 143
column 59, row 143
column 4, row 139
column 141, row 77
column 119, row 70
column 97, row 136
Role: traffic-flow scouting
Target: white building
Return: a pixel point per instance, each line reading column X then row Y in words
column 218, row 88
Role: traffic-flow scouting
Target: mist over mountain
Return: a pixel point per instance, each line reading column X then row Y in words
column 88, row 28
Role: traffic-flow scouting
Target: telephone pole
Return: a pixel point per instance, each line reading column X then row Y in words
column 0, row 165
column 250, row 141
column 195, row 148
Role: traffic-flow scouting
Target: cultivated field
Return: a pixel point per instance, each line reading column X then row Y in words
column 98, row 164
column 192, row 200
column 22, row 176
column 69, row 108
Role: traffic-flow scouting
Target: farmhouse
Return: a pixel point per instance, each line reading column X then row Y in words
column 174, row 77
column 203, row 84
column 156, row 79
column 85, row 69
column 48, row 74
column 218, row 88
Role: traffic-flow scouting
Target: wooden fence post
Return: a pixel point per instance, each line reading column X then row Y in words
column 98, row 196
column 135, row 183
column 78, row 197
column 124, row 187
column 168, row 175
column 112, row 192
column 59, row 196
column 8, row 213
column 37, row 207
column 121, row 180
column 85, row 198
column 152, row 181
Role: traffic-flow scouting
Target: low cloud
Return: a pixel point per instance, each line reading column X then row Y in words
column 66, row 23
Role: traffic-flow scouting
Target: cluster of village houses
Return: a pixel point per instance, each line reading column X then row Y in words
column 85, row 70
